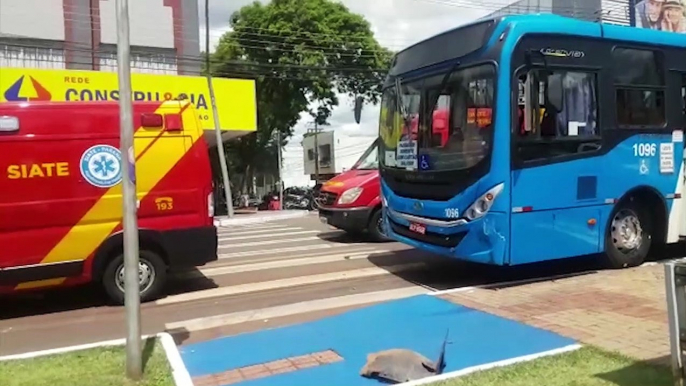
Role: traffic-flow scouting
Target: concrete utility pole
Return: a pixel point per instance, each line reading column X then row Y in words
column 316, row 152
column 215, row 115
column 279, row 162
column 134, row 363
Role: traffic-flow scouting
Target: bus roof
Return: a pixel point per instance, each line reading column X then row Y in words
column 556, row 24
column 483, row 32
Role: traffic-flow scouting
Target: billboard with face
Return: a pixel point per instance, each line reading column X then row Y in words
column 663, row 15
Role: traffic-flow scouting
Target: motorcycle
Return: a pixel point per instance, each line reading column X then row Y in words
column 299, row 198
column 297, row 202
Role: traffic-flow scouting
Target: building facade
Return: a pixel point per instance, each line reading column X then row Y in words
column 607, row 11
column 337, row 153
column 81, row 34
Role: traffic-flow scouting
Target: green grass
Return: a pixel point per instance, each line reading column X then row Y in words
column 96, row 367
column 587, row 366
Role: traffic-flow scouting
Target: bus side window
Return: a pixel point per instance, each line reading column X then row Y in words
column 639, row 84
column 563, row 109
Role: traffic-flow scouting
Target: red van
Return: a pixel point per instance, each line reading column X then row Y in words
column 351, row 201
column 61, row 199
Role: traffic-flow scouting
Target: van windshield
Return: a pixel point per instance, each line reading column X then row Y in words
column 369, row 159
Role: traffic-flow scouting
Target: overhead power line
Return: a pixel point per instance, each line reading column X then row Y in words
column 264, row 34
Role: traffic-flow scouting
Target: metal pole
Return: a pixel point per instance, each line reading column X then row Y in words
column 278, row 143
column 215, row 115
column 316, row 153
column 134, row 364
column 675, row 301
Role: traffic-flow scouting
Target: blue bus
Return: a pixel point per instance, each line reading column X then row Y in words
column 564, row 139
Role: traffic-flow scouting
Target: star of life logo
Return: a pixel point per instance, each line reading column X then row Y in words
column 101, row 166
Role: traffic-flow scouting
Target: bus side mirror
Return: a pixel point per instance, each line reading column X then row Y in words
column 358, row 108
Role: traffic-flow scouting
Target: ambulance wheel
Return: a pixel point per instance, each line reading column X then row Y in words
column 152, row 275
column 628, row 236
column 375, row 227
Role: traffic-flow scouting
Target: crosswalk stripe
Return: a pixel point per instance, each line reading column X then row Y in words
column 288, row 282
column 279, row 250
column 286, row 263
column 271, row 234
column 256, row 226
column 258, row 231
column 228, row 231
column 268, row 242
column 293, row 309
column 238, row 260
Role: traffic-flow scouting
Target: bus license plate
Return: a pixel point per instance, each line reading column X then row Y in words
column 417, row 228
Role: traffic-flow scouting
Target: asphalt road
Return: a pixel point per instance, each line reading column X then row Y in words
column 268, row 275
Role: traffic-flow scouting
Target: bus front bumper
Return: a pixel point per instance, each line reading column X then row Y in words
column 483, row 240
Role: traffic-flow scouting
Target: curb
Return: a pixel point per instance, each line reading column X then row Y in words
column 492, row 365
column 179, row 371
column 181, row 375
column 260, row 219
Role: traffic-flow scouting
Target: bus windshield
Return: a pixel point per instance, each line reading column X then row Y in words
column 369, row 159
column 455, row 135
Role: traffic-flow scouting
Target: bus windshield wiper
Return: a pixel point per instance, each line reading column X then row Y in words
column 443, row 83
column 399, row 100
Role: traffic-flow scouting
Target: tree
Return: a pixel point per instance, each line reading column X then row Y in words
column 299, row 52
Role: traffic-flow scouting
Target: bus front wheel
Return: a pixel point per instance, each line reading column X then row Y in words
column 375, row 227
column 628, row 236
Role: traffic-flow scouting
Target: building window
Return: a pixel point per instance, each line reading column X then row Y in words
column 639, row 88
column 325, row 156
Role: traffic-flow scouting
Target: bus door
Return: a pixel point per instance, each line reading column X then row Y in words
column 554, row 187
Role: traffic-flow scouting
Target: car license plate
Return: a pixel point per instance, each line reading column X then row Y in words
column 417, row 228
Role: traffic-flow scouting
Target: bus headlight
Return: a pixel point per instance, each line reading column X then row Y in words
column 483, row 204
column 350, row 195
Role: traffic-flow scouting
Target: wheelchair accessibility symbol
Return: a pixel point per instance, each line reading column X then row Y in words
column 424, row 163
column 643, row 168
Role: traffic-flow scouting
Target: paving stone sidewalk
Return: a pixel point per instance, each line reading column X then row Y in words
column 618, row 310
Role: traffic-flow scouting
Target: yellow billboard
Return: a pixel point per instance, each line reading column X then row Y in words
column 235, row 97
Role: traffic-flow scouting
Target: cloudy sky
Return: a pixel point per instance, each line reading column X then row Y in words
column 395, row 23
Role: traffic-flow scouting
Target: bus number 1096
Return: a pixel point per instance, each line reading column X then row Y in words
column 645, row 149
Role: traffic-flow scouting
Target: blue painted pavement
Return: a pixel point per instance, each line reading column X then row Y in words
column 417, row 323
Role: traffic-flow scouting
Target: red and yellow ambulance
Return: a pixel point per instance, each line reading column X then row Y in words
column 61, row 194
column 61, row 191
